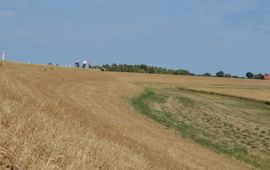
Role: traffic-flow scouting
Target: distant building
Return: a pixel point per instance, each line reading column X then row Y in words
column 266, row 77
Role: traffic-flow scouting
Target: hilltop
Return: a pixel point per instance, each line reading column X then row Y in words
column 67, row 118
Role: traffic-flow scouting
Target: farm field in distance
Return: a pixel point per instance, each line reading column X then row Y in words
column 67, row 118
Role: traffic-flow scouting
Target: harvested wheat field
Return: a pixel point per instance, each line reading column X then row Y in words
column 65, row 118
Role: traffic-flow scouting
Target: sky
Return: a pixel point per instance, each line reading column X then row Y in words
column 197, row 35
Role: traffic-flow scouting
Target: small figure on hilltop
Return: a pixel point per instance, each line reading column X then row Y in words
column 77, row 63
column 3, row 56
column 84, row 64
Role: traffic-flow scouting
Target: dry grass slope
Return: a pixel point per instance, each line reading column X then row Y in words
column 62, row 118
column 38, row 133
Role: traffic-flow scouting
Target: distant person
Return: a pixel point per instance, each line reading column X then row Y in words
column 84, row 64
column 77, row 63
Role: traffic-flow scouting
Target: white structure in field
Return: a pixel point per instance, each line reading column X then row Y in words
column 3, row 55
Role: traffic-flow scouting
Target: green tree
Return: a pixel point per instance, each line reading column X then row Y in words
column 220, row 74
column 250, row 75
column 207, row 74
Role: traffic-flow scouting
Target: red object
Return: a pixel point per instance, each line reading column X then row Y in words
column 266, row 77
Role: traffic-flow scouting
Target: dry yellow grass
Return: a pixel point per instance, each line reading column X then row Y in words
column 62, row 118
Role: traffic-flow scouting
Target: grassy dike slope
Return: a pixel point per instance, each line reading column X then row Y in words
column 225, row 124
column 64, row 118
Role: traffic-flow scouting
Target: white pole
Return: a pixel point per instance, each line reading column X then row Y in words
column 3, row 55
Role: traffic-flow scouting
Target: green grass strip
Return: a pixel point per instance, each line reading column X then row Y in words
column 141, row 104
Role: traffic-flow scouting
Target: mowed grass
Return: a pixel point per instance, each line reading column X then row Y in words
column 229, row 125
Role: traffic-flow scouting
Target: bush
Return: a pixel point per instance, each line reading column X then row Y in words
column 207, row 74
column 249, row 75
column 220, row 74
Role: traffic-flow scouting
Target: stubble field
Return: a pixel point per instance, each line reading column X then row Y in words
column 64, row 118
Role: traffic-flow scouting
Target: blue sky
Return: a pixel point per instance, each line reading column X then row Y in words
column 198, row 35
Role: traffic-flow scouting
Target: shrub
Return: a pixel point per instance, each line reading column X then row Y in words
column 249, row 75
column 220, row 74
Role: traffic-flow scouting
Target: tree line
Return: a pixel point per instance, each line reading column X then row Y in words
column 142, row 68
column 254, row 76
column 220, row 74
